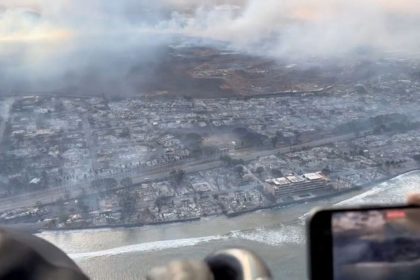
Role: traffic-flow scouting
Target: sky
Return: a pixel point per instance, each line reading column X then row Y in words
column 97, row 40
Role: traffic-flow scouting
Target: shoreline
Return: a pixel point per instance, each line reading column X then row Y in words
column 226, row 215
column 356, row 190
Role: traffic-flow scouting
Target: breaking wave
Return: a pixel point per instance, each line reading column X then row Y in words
column 392, row 191
column 389, row 192
column 146, row 247
column 293, row 234
column 284, row 234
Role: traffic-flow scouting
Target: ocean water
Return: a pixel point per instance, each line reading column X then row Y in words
column 277, row 235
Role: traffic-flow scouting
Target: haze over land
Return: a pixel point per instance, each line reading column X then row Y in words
column 119, row 47
column 233, row 106
column 195, row 109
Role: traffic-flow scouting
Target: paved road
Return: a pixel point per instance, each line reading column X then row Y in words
column 52, row 194
column 252, row 154
column 92, row 147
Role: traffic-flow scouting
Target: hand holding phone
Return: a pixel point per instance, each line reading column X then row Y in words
column 376, row 243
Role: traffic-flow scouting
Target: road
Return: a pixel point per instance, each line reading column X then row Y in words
column 51, row 195
column 252, row 154
column 93, row 154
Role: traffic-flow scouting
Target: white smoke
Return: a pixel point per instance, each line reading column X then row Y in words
column 281, row 26
column 98, row 42
column 307, row 27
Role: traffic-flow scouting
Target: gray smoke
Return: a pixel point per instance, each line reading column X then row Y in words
column 309, row 27
column 95, row 46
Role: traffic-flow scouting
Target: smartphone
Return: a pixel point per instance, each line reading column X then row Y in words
column 375, row 243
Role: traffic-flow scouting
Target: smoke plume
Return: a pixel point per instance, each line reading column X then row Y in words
column 93, row 46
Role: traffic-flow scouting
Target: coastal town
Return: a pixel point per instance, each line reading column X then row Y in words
column 83, row 162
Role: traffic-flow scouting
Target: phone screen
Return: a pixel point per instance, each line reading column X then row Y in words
column 376, row 244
